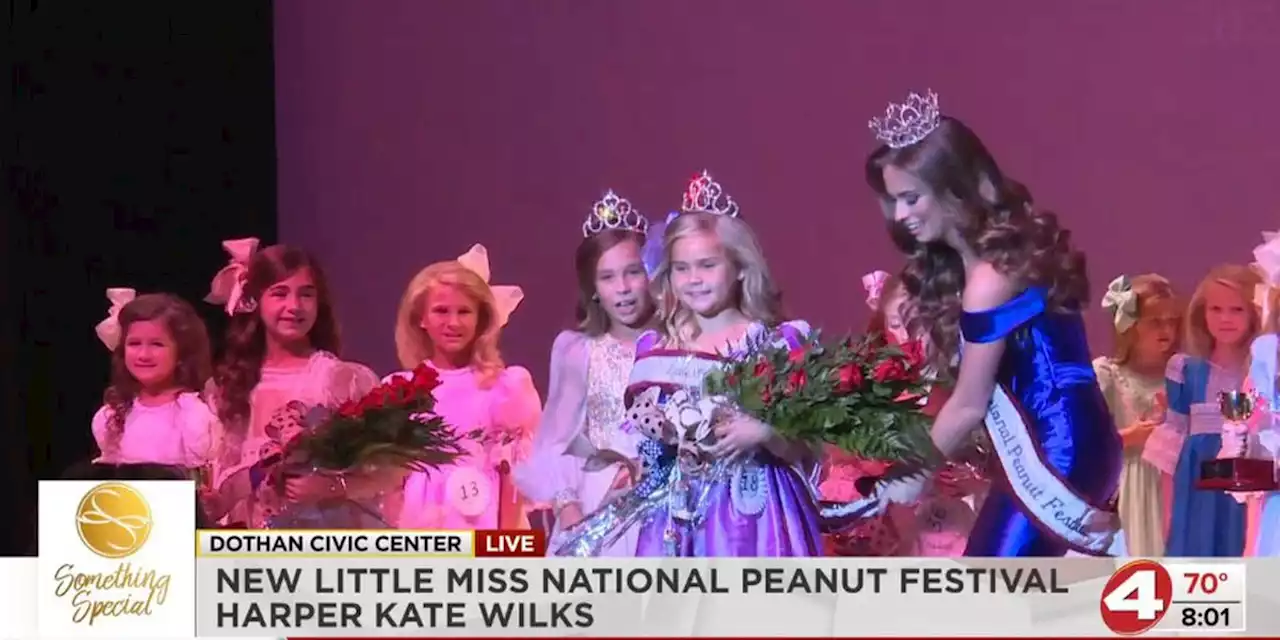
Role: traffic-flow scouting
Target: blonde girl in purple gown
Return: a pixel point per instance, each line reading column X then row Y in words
column 589, row 369
column 744, row 491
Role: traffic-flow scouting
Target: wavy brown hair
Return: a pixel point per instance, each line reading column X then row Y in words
column 240, row 369
column 994, row 215
column 191, row 344
column 591, row 317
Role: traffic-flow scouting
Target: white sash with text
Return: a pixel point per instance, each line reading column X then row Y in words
column 1043, row 495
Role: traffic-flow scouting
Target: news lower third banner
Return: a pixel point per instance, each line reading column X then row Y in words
column 123, row 560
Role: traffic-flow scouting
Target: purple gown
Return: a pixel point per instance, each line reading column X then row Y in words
column 757, row 507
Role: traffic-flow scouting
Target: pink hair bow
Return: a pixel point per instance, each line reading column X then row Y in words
column 109, row 329
column 227, row 287
column 505, row 298
column 874, row 284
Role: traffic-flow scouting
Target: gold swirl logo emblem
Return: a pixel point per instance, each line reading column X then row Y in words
column 113, row 520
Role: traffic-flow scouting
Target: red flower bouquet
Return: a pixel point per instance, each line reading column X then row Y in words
column 860, row 395
column 391, row 426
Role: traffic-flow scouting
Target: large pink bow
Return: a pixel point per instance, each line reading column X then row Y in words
column 227, row 287
column 505, row 298
column 874, row 283
column 109, row 329
column 1266, row 258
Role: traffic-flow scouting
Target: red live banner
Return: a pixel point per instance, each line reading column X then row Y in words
column 492, row 543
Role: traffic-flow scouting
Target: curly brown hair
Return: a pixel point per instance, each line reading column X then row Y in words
column 240, row 369
column 193, row 359
column 994, row 215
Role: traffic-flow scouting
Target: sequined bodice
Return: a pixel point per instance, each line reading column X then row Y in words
column 608, row 368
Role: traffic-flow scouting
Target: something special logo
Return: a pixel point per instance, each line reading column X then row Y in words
column 113, row 521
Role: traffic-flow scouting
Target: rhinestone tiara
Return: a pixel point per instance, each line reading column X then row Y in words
column 705, row 195
column 614, row 212
column 908, row 123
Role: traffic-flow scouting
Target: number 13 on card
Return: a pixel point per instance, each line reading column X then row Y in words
column 1146, row 595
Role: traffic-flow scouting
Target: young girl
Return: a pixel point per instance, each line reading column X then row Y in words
column 451, row 318
column 744, row 491
column 1220, row 323
column 1262, row 437
column 152, row 412
column 1146, row 316
column 590, row 366
column 281, row 350
column 998, row 288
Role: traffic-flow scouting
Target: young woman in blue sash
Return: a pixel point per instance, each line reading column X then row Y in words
column 998, row 287
column 737, row 489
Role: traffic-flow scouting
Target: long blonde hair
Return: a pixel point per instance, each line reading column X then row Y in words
column 413, row 345
column 1151, row 289
column 1197, row 340
column 757, row 296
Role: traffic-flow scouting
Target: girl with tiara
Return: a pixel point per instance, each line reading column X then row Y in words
column 999, row 289
column 715, row 481
column 590, row 366
column 1220, row 323
column 280, row 358
column 1146, row 317
column 450, row 319
column 152, row 412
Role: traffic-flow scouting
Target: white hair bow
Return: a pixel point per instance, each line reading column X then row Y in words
column 109, row 329
column 1121, row 301
column 505, row 298
column 1266, row 258
column 873, row 283
column 227, row 287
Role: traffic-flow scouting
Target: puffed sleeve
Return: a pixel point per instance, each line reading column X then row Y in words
column 1164, row 446
column 349, row 381
column 516, row 407
column 550, row 474
column 99, row 427
column 200, row 426
column 1105, row 372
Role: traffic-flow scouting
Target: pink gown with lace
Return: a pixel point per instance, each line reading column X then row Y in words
column 472, row 494
column 324, row 380
column 585, row 398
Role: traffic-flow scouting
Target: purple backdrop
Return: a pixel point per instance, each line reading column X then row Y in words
column 409, row 130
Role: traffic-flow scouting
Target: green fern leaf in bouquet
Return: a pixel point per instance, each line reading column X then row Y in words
column 859, row 394
column 394, row 425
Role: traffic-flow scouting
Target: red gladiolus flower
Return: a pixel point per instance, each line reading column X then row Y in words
column 796, row 356
column 349, row 409
column 890, row 370
column 796, row 381
column 849, row 378
column 425, row 378
column 913, row 352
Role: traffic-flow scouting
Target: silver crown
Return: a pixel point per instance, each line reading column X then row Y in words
column 614, row 212
column 908, row 123
column 705, row 195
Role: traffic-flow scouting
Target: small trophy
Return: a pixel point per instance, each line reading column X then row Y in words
column 1237, row 474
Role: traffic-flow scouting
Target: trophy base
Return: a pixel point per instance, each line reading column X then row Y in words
column 1237, row 474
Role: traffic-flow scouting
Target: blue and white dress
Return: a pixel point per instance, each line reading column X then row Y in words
column 1203, row 524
